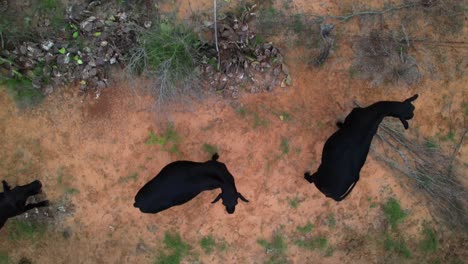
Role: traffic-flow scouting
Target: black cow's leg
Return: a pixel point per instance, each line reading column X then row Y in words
column 308, row 177
column 34, row 205
column 6, row 187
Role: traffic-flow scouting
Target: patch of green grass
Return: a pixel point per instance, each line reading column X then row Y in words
column 276, row 249
column 353, row 72
column 430, row 243
column 4, row 258
column 208, row 244
column 449, row 137
column 465, row 108
column 71, row 191
column 431, row 144
column 22, row 92
column 169, row 136
column 331, row 221
column 131, row 177
column 259, row 122
column 176, row 249
column 284, row 146
column 285, row 116
column 305, row 229
column 48, row 4
column 242, row 111
column 210, row 149
column 170, row 50
column 313, row 243
column 329, row 251
column 22, row 230
column 393, row 212
column 297, row 25
column 294, row 202
column 398, row 246
column 154, row 139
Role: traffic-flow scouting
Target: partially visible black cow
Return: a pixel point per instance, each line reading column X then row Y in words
column 345, row 152
column 13, row 201
column 180, row 181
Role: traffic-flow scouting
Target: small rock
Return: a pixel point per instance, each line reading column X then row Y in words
column 101, row 84
column 46, row 45
column 48, row 89
column 254, row 89
column 152, row 228
column 141, row 248
column 122, row 16
column 113, row 60
column 147, row 24
column 61, row 209
column 103, row 43
column 23, row 49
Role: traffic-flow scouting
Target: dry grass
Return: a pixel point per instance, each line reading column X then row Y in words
column 382, row 57
column 430, row 171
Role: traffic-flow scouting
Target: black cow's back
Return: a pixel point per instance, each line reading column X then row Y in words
column 177, row 183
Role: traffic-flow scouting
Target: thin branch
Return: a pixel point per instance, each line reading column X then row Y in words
column 364, row 13
column 216, row 33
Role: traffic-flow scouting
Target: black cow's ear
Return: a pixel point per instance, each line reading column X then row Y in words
column 242, row 197
column 217, row 198
column 412, row 98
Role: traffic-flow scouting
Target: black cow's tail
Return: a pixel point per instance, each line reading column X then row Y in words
column 308, row 177
column 215, row 157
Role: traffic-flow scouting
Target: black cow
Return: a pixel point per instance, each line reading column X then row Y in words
column 13, row 201
column 345, row 152
column 180, row 181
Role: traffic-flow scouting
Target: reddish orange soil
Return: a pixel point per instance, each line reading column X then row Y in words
column 96, row 144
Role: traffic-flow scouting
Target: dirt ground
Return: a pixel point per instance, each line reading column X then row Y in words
column 93, row 152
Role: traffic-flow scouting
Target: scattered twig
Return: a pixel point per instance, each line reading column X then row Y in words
column 428, row 170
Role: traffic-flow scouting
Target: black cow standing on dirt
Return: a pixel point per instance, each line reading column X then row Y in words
column 345, row 152
column 180, row 181
column 13, row 201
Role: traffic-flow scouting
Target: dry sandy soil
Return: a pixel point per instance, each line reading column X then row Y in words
column 93, row 152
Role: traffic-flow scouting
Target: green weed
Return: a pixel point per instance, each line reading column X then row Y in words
column 449, row 137
column 208, row 243
column 22, row 91
column 313, row 243
column 169, row 136
column 331, row 221
column 259, row 122
column 305, row 229
column 393, row 212
column 131, row 177
column 297, row 25
column 209, row 149
column 4, row 258
column 176, row 248
column 294, row 202
column 276, row 249
column 171, row 51
column 284, row 146
column 398, row 246
column 429, row 244
column 71, row 191
column 22, row 230
column 242, row 111
column 285, row 116
column 431, row 144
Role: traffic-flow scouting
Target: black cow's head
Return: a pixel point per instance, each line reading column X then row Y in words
column 406, row 110
column 230, row 199
column 20, row 194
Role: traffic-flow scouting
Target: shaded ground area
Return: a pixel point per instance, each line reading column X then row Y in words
column 93, row 156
